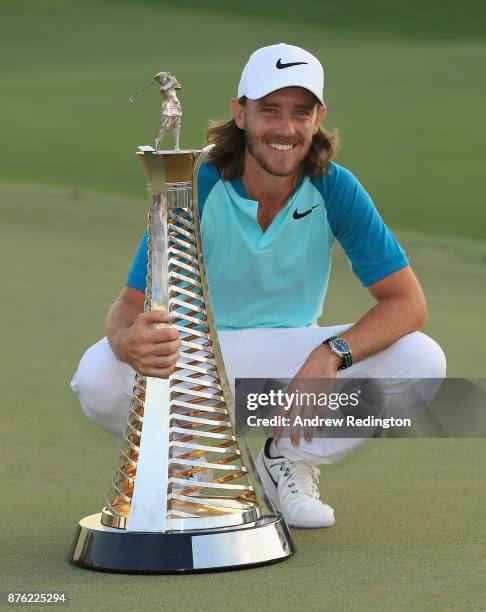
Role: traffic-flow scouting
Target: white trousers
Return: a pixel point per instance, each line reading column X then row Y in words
column 104, row 384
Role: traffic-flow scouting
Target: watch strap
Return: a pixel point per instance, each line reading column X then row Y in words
column 347, row 360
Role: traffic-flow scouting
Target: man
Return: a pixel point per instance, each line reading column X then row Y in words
column 272, row 204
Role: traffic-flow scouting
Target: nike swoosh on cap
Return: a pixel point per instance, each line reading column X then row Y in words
column 279, row 64
column 298, row 215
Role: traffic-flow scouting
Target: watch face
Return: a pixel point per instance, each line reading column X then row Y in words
column 341, row 346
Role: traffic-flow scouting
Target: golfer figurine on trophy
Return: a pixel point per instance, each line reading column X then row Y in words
column 170, row 111
column 185, row 494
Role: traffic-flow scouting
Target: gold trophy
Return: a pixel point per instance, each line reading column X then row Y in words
column 186, row 495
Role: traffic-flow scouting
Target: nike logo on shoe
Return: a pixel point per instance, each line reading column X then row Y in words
column 279, row 64
column 293, row 488
column 298, row 215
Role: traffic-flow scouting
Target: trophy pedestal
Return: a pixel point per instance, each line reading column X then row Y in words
column 102, row 548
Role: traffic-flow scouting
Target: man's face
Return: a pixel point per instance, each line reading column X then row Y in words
column 279, row 128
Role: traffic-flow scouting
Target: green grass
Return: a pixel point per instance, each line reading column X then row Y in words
column 409, row 109
column 435, row 19
column 404, row 88
column 408, row 537
column 409, row 531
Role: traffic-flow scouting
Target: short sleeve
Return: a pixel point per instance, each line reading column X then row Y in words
column 373, row 251
column 137, row 275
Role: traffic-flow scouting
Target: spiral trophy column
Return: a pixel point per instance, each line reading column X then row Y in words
column 185, row 494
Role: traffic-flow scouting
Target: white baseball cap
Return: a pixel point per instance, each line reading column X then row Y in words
column 278, row 66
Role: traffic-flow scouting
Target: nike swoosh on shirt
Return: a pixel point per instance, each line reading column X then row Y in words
column 298, row 215
column 280, row 65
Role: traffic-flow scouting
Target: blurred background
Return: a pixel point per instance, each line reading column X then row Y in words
column 405, row 87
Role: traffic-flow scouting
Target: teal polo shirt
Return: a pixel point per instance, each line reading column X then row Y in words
column 279, row 277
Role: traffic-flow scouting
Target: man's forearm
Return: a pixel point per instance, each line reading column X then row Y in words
column 121, row 315
column 400, row 310
column 384, row 324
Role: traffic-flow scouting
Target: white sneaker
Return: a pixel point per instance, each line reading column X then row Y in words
column 293, row 486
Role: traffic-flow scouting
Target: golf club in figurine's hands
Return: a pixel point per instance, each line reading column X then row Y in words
column 185, row 494
column 170, row 112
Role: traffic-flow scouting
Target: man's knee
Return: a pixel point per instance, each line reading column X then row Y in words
column 104, row 385
column 421, row 356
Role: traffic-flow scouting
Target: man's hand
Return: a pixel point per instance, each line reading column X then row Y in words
column 150, row 351
column 321, row 365
column 134, row 339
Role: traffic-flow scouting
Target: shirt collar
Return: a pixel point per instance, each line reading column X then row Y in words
column 238, row 186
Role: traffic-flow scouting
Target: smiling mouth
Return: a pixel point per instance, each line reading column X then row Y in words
column 276, row 146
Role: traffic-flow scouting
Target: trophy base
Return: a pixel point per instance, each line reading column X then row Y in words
column 108, row 549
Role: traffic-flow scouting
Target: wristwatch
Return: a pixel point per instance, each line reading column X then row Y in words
column 341, row 348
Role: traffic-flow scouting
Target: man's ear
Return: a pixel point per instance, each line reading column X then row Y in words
column 238, row 113
column 321, row 115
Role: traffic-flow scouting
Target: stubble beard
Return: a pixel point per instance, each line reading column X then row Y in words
column 252, row 146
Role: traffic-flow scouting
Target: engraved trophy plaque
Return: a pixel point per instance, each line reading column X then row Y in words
column 186, row 495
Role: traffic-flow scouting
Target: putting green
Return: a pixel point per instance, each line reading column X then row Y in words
column 402, row 86
column 409, row 530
